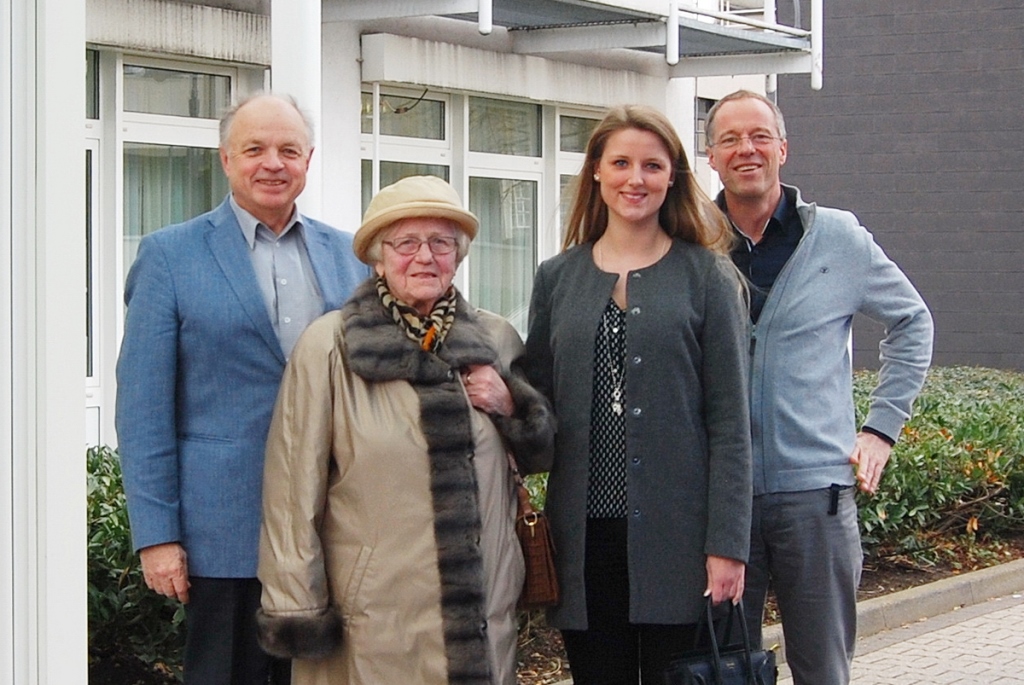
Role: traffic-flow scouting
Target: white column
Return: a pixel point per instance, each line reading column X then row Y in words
column 43, row 638
column 340, row 142
column 295, row 30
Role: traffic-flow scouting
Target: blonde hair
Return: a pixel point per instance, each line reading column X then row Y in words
column 687, row 213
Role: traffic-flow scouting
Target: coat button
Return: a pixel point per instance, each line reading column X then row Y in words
column 634, row 311
column 637, row 359
column 637, row 411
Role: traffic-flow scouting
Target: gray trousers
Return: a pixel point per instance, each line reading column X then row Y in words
column 812, row 558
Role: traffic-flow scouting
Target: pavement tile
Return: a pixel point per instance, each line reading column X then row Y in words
column 982, row 644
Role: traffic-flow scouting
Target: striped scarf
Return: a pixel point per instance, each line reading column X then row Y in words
column 427, row 332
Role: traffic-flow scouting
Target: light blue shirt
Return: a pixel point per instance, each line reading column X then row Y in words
column 285, row 274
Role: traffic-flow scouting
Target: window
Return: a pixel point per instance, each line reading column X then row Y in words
column 406, row 116
column 704, row 106
column 166, row 184
column 394, row 171
column 92, row 85
column 153, row 90
column 565, row 197
column 504, row 127
column 504, row 254
column 90, row 342
column 574, row 132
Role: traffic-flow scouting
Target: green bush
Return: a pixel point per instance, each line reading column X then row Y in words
column 956, row 476
column 125, row 617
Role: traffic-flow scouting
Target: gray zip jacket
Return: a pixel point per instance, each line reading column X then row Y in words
column 801, row 394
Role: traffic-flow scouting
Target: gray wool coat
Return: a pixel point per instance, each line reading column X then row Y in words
column 687, row 422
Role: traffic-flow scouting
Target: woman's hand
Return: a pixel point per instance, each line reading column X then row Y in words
column 487, row 391
column 725, row 579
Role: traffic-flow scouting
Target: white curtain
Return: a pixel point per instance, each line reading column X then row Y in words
column 166, row 185
column 503, row 255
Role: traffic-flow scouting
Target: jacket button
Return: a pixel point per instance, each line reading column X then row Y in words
column 636, row 460
column 637, row 411
column 637, row 275
column 637, row 359
column 634, row 311
column 636, row 512
column 451, row 374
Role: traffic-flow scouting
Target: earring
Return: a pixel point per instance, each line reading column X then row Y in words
column 597, row 178
column 671, row 183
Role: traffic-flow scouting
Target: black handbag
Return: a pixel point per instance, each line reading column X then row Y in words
column 726, row 664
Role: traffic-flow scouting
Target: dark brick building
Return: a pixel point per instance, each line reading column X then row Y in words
column 919, row 129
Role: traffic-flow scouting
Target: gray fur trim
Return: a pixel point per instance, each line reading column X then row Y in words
column 529, row 432
column 299, row 637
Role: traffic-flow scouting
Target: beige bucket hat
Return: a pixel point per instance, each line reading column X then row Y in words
column 413, row 196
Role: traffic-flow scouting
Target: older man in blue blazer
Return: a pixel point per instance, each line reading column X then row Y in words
column 215, row 305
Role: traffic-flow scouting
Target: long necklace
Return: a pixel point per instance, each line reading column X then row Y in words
column 618, row 374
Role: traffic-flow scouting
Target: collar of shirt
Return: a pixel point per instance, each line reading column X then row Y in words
column 249, row 224
column 782, row 219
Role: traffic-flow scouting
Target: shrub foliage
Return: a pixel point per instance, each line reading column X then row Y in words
column 956, row 476
column 955, row 479
column 125, row 617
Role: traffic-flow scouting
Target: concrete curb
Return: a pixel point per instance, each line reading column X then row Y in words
column 925, row 601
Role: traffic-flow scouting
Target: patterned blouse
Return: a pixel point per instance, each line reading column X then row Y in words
column 606, row 493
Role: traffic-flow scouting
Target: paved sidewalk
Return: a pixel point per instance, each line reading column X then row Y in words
column 977, row 645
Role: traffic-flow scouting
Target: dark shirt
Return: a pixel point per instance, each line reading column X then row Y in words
column 762, row 262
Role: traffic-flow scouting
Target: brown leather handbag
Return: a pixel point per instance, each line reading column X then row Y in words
column 540, row 589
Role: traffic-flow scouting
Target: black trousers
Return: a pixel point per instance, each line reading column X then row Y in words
column 613, row 651
column 220, row 638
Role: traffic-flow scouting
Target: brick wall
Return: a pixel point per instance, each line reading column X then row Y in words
column 919, row 129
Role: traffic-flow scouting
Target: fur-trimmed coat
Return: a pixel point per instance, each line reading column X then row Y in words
column 387, row 552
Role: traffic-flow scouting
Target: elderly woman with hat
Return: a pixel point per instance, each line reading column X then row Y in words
column 388, row 553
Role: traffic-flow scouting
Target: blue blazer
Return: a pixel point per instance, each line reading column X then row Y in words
column 197, row 378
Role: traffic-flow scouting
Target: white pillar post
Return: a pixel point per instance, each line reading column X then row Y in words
column 295, row 68
column 43, row 606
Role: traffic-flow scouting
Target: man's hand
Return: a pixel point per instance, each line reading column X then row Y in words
column 165, row 568
column 726, row 579
column 870, row 455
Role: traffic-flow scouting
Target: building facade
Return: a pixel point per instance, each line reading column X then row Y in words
column 918, row 130
column 497, row 96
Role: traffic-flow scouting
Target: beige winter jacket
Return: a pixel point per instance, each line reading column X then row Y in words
column 387, row 552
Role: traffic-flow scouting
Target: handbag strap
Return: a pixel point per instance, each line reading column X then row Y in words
column 522, row 492
column 716, row 656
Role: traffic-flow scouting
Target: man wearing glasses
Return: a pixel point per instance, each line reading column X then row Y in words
column 810, row 269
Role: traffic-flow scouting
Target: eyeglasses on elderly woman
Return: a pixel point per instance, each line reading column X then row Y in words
column 410, row 245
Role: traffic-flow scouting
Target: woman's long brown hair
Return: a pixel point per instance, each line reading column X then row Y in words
column 687, row 213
